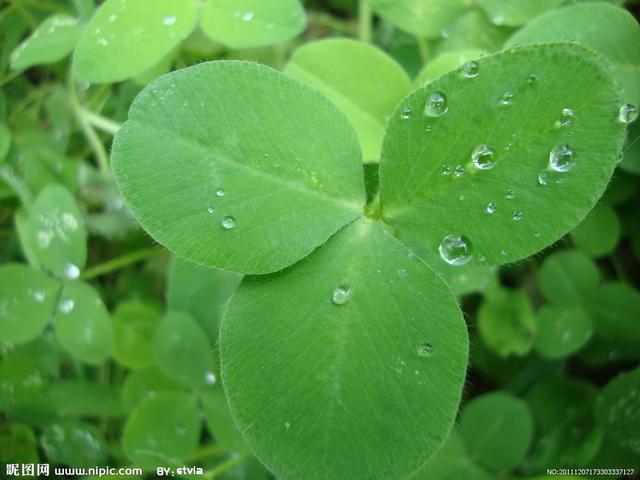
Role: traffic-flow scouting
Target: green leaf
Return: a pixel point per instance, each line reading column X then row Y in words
column 162, row 431
column 27, row 299
column 363, row 81
column 516, row 12
column 82, row 323
column 467, row 279
column 631, row 159
column 5, row 141
column 607, row 29
column 18, row 444
column 615, row 310
column 561, row 330
column 53, row 40
column 618, row 411
column 497, row 429
column 80, row 398
column 128, row 37
column 220, row 422
column 21, row 378
column 74, row 444
column 277, row 152
column 362, row 326
column 472, row 30
column 57, row 233
column 252, row 23
column 144, row 384
column 568, row 278
column 445, row 63
column 599, row 233
column 183, row 352
column 507, row 323
column 433, row 194
column 425, row 18
column 134, row 324
column 201, row 292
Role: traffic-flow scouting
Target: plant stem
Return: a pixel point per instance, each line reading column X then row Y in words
column 89, row 133
column 100, row 122
column 119, row 262
column 423, row 46
column 223, row 467
column 206, row 452
column 17, row 185
column 365, row 20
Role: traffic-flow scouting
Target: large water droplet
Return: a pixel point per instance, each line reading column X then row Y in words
column 229, row 222
column 456, row 249
column 483, row 157
column 470, row 69
column 436, row 104
column 71, row 271
column 507, row 99
column 341, row 295
column 425, row 350
column 566, row 118
column 562, row 158
column 628, row 113
column 220, row 192
column 405, row 114
column 491, row 207
column 210, row 378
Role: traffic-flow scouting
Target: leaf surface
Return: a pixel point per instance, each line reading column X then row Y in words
column 431, row 188
column 134, row 325
column 599, row 233
column 515, row 12
column 561, row 330
column 362, row 80
column 359, row 352
column 568, row 278
column 252, row 23
column 128, row 37
column 226, row 162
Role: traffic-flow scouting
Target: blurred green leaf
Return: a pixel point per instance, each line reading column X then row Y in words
column 561, row 330
column 27, row 300
column 74, row 444
column 220, row 422
column 568, row 278
column 5, row 141
column 145, row 384
column 18, row 444
column 599, row 233
column 516, row 12
column 497, row 429
column 615, row 311
column 81, row 398
column 363, row 81
column 444, row 63
column 425, row 18
column 134, row 325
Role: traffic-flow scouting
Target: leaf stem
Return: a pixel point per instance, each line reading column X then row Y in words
column 423, row 46
column 119, row 262
column 90, row 134
column 224, row 466
column 17, row 185
column 206, row 452
column 365, row 20
column 100, row 122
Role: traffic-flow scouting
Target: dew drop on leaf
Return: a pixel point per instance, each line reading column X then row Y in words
column 447, row 170
column 491, row 207
column 507, row 99
column 247, row 16
column 71, row 271
column 566, row 118
column 39, row 295
column 406, row 113
column 210, row 378
column 470, row 69
column 220, row 192
column 543, row 178
column 533, row 78
column 517, row 216
column 341, row 295
column 562, row 158
column 169, row 20
column 436, row 105
column 456, row 249
column 459, row 171
column 402, row 272
column 229, row 222
column 483, row 157
column 210, row 210
column 425, row 350
column 66, row 305
column 510, row 195
column 428, row 128
column 628, row 113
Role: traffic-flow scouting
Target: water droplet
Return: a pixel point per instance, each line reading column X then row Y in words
column 406, row 113
column 287, row 426
column 543, row 178
column 566, row 118
column 536, row 234
column 71, row 271
column 66, row 305
column 507, row 99
column 210, row 378
column 113, row 17
column 533, row 78
column 210, row 210
column 458, row 171
column 103, row 42
column 169, row 20
column 229, row 222
column 562, row 158
column 428, row 128
column 498, row 19
column 456, row 249
column 491, row 207
column 402, row 272
column 447, row 170
column 503, row 252
column 628, row 113
column 247, row 16
column 517, row 216
column 341, row 295
column 436, row 105
column 425, row 350
column 470, row 69
column 510, row 195
column 483, row 157
column 39, row 295
column 566, row 336
column 220, row 192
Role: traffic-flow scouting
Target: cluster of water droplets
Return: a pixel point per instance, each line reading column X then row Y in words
column 228, row 222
